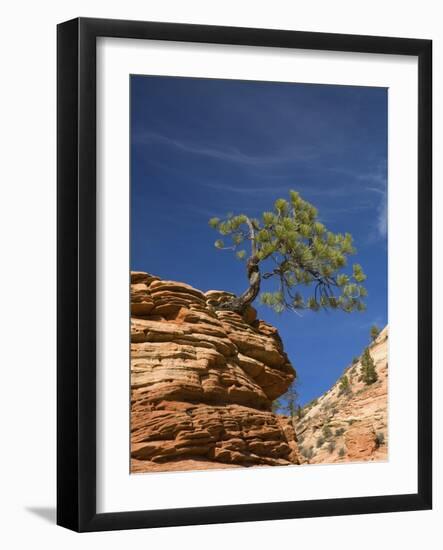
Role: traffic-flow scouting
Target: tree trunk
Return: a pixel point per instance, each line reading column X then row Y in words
column 240, row 303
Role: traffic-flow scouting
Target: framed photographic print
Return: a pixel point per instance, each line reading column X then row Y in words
column 244, row 274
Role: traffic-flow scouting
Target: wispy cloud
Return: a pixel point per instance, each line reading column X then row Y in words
column 371, row 182
column 380, row 189
column 200, row 211
column 229, row 154
column 327, row 212
column 245, row 190
column 375, row 182
column 382, row 216
column 330, row 213
column 306, row 191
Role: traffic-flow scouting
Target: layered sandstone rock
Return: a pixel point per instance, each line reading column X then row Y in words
column 351, row 425
column 203, row 381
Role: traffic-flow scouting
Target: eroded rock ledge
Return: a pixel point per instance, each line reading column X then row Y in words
column 203, row 381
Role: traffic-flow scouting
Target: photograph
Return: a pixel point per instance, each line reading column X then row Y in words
column 258, row 274
column 219, row 233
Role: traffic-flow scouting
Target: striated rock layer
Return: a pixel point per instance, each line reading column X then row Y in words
column 351, row 425
column 203, row 382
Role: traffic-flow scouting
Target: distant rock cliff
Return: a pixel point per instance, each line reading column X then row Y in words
column 203, row 382
column 349, row 421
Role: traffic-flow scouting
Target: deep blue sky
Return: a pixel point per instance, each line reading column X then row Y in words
column 203, row 148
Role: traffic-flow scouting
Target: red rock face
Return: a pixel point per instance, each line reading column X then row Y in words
column 360, row 441
column 203, row 381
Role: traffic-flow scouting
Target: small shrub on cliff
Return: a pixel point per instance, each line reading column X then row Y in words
column 311, row 404
column 355, row 360
column 288, row 402
column 379, row 439
column 304, row 254
column 368, row 372
column 344, row 387
column 307, row 453
column 325, row 407
column 341, row 452
column 320, row 441
column 375, row 331
column 339, row 432
column 331, row 447
column 326, row 432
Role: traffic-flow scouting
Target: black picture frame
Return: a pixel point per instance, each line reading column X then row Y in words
column 76, row 265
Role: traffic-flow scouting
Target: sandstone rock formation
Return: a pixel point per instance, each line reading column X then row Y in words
column 351, row 425
column 203, row 381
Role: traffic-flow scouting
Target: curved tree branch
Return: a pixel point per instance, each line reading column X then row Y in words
column 239, row 304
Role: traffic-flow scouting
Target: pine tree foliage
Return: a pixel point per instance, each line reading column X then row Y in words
column 326, row 432
column 287, row 403
column 368, row 372
column 292, row 247
column 375, row 331
column 344, row 386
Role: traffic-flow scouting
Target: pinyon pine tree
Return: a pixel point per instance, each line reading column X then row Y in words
column 368, row 372
column 287, row 403
column 291, row 246
column 276, row 405
column 375, row 331
column 344, row 386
